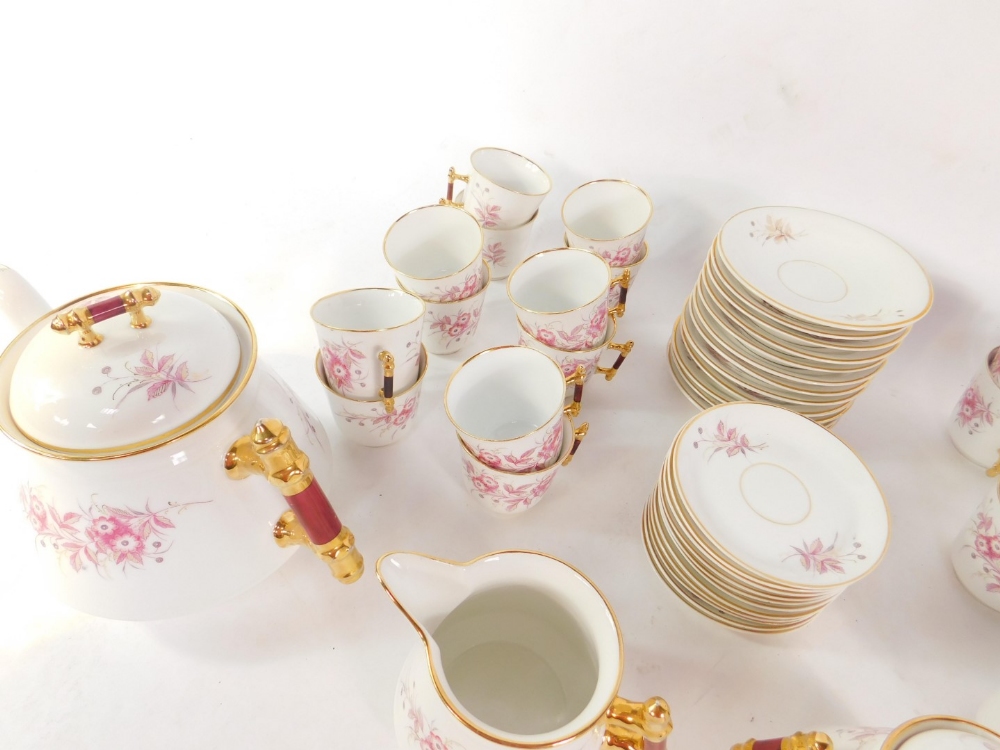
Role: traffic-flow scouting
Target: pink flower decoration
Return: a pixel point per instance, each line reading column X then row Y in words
column 973, row 411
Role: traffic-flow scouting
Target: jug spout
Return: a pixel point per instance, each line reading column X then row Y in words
column 20, row 305
column 425, row 589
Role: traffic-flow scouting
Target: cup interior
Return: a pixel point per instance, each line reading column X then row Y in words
column 433, row 242
column 502, row 394
column 558, row 281
column 367, row 309
column 511, row 171
column 606, row 210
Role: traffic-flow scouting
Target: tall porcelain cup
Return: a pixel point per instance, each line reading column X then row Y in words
column 517, row 649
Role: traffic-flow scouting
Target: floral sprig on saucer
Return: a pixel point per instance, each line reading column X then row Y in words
column 777, row 230
column 824, row 559
column 728, row 439
column 873, row 317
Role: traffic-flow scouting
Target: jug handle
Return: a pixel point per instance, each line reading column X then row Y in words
column 271, row 452
column 797, row 741
column 637, row 726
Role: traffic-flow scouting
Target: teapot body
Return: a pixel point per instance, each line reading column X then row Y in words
column 162, row 532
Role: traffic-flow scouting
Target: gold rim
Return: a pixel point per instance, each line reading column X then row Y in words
column 716, row 278
column 766, row 576
column 649, row 200
column 228, row 399
column 848, row 326
column 694, row 319
column 513, row 474
column 478, row 255
column 547, row 358
column 488, row 278
column 896, row 734
column 630, row 266
column 520, row 156
column 437, row 681
column 321, row 374
column 510, row 277
column 609, row 337
column 312, row 310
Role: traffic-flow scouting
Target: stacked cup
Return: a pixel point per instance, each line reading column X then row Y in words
column 504, row 192
column 514, row 429
column 610, row 217
column 437, row 254
column 371, row 362
column 561, row 296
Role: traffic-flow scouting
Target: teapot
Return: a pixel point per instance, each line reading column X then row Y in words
column 126, row 416
column 518, row 650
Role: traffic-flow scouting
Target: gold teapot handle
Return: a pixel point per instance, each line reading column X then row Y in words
column 83, row 319
column 449, row 198
column 637, row 726
column 271, row 452
column 797, row 741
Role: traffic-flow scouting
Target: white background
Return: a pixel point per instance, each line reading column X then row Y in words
column 263, row 152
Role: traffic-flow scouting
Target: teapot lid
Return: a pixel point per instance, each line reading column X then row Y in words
column 122, row 369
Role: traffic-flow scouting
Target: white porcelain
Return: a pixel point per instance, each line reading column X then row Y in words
column 504, row 189
column 988, row 713
column 781, row 496
column 507, row 404
column 20, row 304
column 158, row 529
column 517, row 649
column 823, row 268
column 503, row 249
column 356, row 326
column 368, row 422
column 858, row 738
column 975, row 553
column 609, row 217
column 975, row 423
column 509, row 492
column 588, row 359
column 561, row 296
column 436, row 251
column 449, row 327
column 941, row 733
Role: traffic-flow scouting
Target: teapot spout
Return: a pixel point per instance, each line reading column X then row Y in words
column 425, row 589
column 20, row 305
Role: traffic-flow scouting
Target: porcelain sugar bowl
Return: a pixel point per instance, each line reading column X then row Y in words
column 128, row 415
column 518, row 650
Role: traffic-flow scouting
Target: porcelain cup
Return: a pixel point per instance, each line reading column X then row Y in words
column 508, row 492
column 507, row 404
column 609, row 217
column 589, row 359
column 370, row 422
column 975, row 423
column 975, row 553
column 369, row 340
column 504, row 189
column 503, row 249
column 614, row 296
column 450, row 326
column 561, row 296
column 436, row 251
column 923, row 732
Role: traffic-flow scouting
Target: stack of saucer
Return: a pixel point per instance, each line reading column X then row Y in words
column 796, row 308
column 761, row 517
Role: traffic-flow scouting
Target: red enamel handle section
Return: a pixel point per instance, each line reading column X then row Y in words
column 661, row 745
column 315, row 513
column 773, row 744
column 105, row 309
